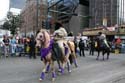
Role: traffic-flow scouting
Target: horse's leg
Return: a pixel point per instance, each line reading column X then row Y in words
column 63, row 66
column 47, row 62
column 68, row 66
column 53, row 71
column 98, row 55
column 42, row 76
column 103, row 53
column 48, row 68
column 64, row 62
column 65, row 55
column 74, row 59
column 69, row 55
column 108, row 53
column 59, row 65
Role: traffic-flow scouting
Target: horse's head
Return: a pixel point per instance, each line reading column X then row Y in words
column 42, row 38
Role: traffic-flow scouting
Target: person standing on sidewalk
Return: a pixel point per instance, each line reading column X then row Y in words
column 92, row 46
column 13, row 46
column 32, row 47
column 81, row 47
column 6, row 45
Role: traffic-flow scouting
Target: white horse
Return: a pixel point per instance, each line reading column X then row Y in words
column 43, row 40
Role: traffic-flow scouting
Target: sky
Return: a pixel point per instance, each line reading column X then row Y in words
column 15, row 11
column 4, row 7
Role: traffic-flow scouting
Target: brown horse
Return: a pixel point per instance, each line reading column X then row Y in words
column 102, row 47
column 47, row 45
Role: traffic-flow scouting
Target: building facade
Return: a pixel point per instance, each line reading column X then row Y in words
column 32, row 16
column 68, row 12
column 106, row 12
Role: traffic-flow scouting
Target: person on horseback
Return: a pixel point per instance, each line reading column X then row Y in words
column 60, row 31
column 103, row 45
column 64, row 48
column 60, row 47
column 102, row 37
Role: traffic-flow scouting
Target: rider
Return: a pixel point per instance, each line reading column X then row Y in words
column 59, row 36
column 102, row 37
column 60, row 31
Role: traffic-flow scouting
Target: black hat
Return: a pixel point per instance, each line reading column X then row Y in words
column 99, row 33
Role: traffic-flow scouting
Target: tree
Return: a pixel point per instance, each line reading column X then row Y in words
column 12, row 23
column 6, row 25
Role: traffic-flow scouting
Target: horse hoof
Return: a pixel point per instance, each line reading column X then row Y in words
column 53, row 79
column 70, row 71
column 40, row 79
column 46, row 72
column 59, row 70
column 76, row 66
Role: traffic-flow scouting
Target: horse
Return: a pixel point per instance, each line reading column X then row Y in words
column 101, row 46
column 45, row 43
column 51, row 51
column 64, row 44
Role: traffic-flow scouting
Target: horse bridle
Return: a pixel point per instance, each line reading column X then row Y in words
column 44, row 36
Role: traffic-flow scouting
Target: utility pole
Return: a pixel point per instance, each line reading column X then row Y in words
column 111, row 12
column 37, row 9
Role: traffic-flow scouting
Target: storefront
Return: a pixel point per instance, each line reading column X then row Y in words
column 110, row 33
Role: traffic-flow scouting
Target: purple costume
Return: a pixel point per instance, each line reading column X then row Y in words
column 45, row 51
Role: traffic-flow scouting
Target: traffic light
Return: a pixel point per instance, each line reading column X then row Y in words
column 43, row 24
column 46, row 24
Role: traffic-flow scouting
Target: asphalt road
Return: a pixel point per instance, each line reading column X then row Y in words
column 25, row 70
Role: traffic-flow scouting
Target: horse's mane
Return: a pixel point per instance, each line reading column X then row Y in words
column 46, row 34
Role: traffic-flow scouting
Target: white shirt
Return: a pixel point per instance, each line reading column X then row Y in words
column 61, row 32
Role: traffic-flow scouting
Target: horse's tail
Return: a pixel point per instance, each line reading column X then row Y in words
column 71, row 46
column 72, row 49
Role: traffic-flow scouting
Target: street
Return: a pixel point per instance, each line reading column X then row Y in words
column 25, row 70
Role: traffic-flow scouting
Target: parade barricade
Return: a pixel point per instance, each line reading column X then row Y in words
column 1, row 51
column 20, row 49
column 123, row 48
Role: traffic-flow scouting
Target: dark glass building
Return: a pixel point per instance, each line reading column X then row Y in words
column 106, row 12
column 70, row 13
column 80, row 14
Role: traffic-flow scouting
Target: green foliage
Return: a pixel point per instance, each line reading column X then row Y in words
column 12, row 23
column 6, row 25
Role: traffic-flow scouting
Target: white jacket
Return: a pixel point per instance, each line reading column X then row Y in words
column 61, row 32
